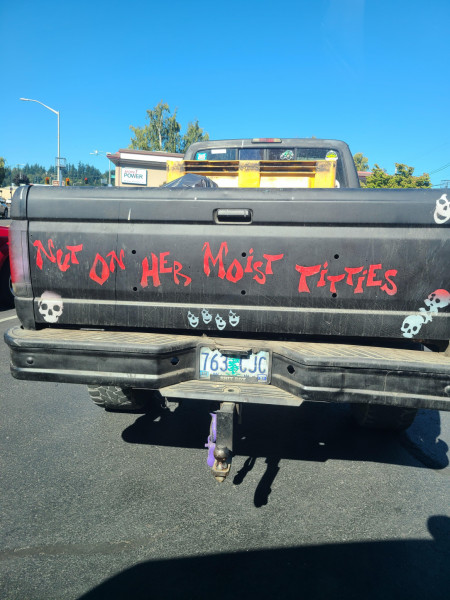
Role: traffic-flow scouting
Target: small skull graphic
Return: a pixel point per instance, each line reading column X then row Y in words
column 221, row 324
column 438, row 299
column 233, row 318
column 206, row 316
column 50, row 306
column 411, row 325
column 442, row 210
column 427, row 313
column 193, row 320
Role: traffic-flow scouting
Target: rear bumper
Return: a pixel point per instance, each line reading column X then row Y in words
column 318, row 372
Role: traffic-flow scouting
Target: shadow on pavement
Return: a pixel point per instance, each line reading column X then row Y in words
column 406, row 569
column 5, row 308
column 312, row 432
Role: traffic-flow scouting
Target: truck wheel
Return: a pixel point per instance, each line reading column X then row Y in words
column 389, row 418
column 6, row 294
column 116, row 398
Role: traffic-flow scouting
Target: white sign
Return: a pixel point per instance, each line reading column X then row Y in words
column 134, row 176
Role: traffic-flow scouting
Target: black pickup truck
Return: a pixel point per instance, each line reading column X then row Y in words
column 299, row 286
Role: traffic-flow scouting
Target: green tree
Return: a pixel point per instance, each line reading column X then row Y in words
column 163, row 132
column 403, row 178
column 21, row 177
column 194, row 133
column 361, row 161
column 7, row 178
column 37, row 173
column 78, row 174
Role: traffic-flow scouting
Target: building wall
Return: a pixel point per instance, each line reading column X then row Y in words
column 141, row 168
column 155, row 177
column 5, row 192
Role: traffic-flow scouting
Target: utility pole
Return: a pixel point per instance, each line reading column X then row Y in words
column 58, row 159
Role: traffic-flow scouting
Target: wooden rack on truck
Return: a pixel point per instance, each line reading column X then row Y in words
column 259, row 173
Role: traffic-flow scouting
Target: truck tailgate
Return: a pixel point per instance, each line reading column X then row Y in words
column 339, row 262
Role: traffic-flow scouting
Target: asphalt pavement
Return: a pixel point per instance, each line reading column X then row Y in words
column 98, row 504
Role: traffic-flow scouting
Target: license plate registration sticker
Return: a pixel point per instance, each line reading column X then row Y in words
column 251, row 368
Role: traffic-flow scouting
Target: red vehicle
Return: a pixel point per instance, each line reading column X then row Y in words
column 6, row 294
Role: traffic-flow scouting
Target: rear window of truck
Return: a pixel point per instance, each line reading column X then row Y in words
column 216, row 154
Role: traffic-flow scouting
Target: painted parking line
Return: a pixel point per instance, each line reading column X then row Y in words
column 9, row 318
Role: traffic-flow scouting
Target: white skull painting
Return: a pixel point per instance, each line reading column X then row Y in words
column 427, row 313
column 221, row 324
column 50, row 307
column 442, row 211
column 206, row 316
column 233, row 318
column 193, row 320
column 411, row 325
column 438, row 299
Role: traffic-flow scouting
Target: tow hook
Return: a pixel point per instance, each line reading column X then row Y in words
column 220, row 441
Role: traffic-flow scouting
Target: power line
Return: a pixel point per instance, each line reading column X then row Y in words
column 439, row 169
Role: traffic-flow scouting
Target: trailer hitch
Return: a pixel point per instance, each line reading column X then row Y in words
column 220, row 441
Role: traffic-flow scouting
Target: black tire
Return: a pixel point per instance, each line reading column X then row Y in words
column 6, row 295
column 116, row 398
column 389, row 418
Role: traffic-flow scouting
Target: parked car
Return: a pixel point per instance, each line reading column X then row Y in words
column 4, row 209
column 6, row 293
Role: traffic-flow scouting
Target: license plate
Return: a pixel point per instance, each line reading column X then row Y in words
column 251, row 368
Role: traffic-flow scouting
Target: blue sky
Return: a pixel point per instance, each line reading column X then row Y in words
column 374, row 73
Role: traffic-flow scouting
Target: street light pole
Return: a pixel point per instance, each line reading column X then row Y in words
column 58, row 174
column 19, row 169
column 101, row 153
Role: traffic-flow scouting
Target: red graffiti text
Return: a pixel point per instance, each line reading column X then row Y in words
column 101, row 269
column 63, row 258
column 359, row 278
column 162, row 264
column 234, row 271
